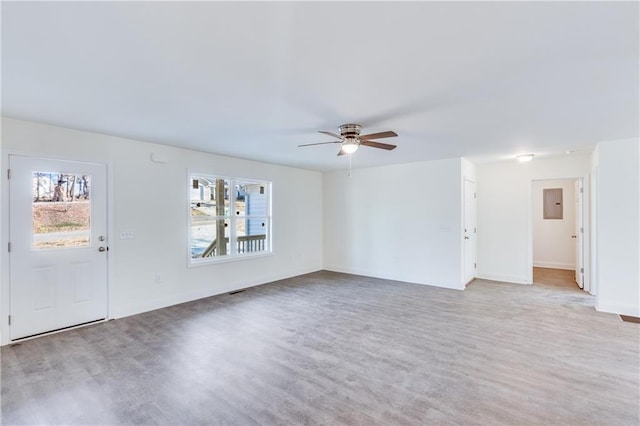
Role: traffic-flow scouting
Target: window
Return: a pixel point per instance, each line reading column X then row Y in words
column 61, row 210
column 230, row 218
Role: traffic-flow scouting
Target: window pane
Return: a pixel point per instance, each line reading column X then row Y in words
column 251, row 235
column 204, row 236
column 210, row 194
column 209, row 205
column 240, row 200
column 251, row 199
column 61, row 210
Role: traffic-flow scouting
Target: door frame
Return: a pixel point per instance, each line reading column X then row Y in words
column 5, row 276
column 579, row 220
column 593, row 243
column 586, row 224
column 466, row 281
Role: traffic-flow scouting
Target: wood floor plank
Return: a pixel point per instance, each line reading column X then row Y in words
column 330, row 348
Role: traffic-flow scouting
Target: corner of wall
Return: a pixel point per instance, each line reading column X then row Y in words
column 613, row 307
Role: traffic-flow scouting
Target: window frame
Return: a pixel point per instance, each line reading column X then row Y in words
column 233, row 219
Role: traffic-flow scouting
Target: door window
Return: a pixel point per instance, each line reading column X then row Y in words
column 61, row 210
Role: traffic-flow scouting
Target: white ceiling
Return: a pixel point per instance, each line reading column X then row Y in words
column 254, row 80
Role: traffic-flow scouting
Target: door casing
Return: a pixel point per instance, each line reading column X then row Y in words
column 586, row 220
column 469, row 246
column 579, row 233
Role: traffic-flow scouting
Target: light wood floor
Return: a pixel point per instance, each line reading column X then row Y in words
column 329, row 348
column 555, row 277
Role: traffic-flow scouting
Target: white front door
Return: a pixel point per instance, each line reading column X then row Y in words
column 579, row 233
column 469, row 231
column 58, row 247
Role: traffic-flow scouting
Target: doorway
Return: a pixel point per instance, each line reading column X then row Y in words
column 558, row 229
column 58, row 244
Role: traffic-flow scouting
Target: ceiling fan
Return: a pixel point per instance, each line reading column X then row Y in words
column 351, row 139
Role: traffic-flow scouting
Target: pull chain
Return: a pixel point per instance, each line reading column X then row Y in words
column 349, row 165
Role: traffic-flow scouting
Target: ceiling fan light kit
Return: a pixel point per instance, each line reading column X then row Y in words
column 523, row 158
column 350, row 139
column 350, row 145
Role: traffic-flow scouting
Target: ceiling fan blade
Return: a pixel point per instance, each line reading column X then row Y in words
column 321, row 143
column 341, row 152
column 374, row 144
column 388, row 134
column 330, row 134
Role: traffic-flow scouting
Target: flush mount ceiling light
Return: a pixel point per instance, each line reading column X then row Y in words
column 523, row 158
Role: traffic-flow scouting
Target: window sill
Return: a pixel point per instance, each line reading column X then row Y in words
column 226, row 259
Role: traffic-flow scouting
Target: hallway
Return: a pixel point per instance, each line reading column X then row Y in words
column 560, row 283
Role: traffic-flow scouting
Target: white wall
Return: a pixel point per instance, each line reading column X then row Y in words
column 553, row 246
column 468, row 170
column 400, row 222
column 149, row 199
column 618, row 226
column 504, row 213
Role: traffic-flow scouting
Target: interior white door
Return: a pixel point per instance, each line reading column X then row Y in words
column 58, row 247
column 579, row 233
column 469, row 231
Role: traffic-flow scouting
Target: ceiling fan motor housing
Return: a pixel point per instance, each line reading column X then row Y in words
column 350, row 130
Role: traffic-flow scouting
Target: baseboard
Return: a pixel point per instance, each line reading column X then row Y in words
column 618, row 308
column 152, row 305
column 355, row 271
column 553, row 265
column 514, row 279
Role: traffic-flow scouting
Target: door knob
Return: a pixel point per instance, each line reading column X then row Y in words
column 574, row 236
column 102, row 249
column 466, row 238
